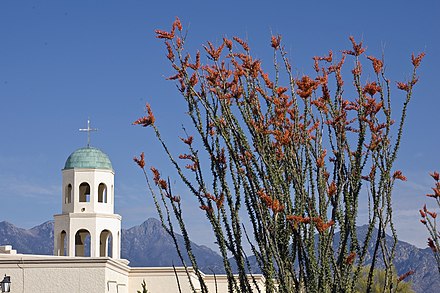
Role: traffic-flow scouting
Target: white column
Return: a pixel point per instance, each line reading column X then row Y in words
column 94, row 243
column 71, row 243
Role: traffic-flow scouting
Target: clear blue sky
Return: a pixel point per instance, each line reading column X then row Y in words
column 64, row 61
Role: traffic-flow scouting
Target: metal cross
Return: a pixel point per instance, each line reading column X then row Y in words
column 88, row 129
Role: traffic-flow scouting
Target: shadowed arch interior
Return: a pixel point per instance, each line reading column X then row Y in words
column 105, row 244
column 82, row 243
column 84, row 192
column 68, row 194
column 102, row 193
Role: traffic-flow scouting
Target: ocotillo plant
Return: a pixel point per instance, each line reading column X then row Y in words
column 429, row 219
column 294, row 154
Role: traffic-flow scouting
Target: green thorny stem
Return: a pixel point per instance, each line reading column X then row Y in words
column 289, row 159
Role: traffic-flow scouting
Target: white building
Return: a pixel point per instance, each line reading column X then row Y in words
column 87, row 243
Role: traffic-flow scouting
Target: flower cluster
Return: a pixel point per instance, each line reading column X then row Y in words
column 140, row 161
column 357, row 48
column 436, row 189
column 377, row 64
column 319, row 223
column 160, row 34
column 146, row 120
column 163, row 185
column 270, row 202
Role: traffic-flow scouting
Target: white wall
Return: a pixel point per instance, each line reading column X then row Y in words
column 60, row 274
column 51, row 274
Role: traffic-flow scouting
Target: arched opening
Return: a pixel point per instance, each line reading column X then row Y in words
column 105, row 243
column 84, row 192
column 102, row 193
column 62, row 244
column 68, row 194
column 82, row 243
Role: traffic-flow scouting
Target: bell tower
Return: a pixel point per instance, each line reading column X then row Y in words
column 88, row 225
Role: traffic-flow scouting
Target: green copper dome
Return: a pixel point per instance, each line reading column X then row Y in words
column 88, row 158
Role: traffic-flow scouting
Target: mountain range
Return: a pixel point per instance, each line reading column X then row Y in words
column 149, row 245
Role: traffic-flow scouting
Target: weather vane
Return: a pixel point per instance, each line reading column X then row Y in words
column 88, row 129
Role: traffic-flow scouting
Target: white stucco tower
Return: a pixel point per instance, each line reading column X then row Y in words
column 88, row 225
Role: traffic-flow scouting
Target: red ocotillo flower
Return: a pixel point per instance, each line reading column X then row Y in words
column 416, row 60
column 275, row 42
column 372, row 88
column 228, row 43
column 196, row 65
column 432, row 214
column 170, row 55
column 350, row 258
column 140, row 161
column 156, row 175
column 399, row 175
column 435, row 175
column 328, row 58
column 186, row 157
column 403, row 86
column 146, row 120
column 321, row 160
column 295, row 220
column 276, row 206
column 332, row 189
column 265, row 198
column 266, row 79
column 193, row 80
column 321, row 104
column 336, row 68
column 281, row 90
column 377, row 64
column 213, row 52
column 193, row 167
column 207, row 209
column 164, row 35
column 436, row 191
column 177, row 24
column 219, row 201
column 187, row 140
column 357, row 48
column 242, row 43
column 273, row 204
column 209, row 196
column 162, row 184
column 298, row 219
column 306, row 86
column 321, row 226
column 169, row 35
column 179, row 42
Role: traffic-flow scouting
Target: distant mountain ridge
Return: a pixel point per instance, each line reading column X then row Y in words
column 149, row 245
column 38, row 240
